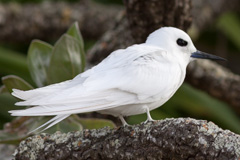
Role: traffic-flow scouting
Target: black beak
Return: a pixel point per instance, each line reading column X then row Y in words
column 202, row 55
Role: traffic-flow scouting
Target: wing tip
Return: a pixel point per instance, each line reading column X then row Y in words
column 17, row 93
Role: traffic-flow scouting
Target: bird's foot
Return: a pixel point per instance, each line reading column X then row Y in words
column 149, row 118
column 124, row 123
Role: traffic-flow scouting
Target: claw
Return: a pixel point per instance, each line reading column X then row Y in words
column 123, row 121
column 149, row 118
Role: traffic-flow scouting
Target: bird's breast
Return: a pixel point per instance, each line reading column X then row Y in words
column 161, row 80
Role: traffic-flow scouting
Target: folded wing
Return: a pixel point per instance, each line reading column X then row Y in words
column 119, row 80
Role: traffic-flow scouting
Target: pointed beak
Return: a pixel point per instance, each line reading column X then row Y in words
column 202, row 55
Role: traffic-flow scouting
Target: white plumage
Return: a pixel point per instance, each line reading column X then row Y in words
column 129, row 81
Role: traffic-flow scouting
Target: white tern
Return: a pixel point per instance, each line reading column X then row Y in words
column 129, row 81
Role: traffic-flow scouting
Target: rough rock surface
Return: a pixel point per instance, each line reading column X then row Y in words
column 181, row 138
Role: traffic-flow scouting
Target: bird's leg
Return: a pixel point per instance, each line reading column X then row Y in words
column 123, row 120
column 149, row 118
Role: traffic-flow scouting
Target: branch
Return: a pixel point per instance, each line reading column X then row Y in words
column 142, row 18
column 216, row 80
column 17, row 25
column 182, row 138
column 145, row 17
column 119, row 36
column 49, row 20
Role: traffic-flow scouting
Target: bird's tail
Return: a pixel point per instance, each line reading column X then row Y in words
column 39, row 92
column 50, row 123
column 63, row 103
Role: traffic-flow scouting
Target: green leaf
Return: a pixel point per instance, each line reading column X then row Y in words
column 229, row 23
column 65, row 60
column 3, row 89
column 93, row 123
column 12, row 62
column 11, row 138
column 16, row 130
column 67, row 125
column 75, row 33
column 19, row 128
column 12, row 82
column 7, row 103
column 39, row 54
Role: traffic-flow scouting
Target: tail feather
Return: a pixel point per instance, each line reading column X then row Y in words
column 18, row 93
column 61, row 110
column 52, row 122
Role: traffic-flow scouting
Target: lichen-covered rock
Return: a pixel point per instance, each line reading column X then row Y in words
column 181, row 138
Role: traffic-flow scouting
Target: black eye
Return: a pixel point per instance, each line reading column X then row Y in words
column 181, row 42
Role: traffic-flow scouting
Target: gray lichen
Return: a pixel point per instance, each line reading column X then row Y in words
column 182, row 138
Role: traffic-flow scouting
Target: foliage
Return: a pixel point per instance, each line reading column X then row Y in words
column 17, row 130
column 39, row 1
column 13, row 62
column 47, row 65
column 229, row 23
column 33, row 1
column 109, row 1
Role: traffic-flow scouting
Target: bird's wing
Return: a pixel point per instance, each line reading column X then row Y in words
column 25, row 95
column 125, row 77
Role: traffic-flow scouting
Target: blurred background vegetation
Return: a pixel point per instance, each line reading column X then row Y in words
column 221, row 37
column 38, row 1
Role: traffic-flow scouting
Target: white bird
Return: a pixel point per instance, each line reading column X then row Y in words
column 129, row 81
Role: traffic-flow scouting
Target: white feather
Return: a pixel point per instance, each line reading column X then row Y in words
column 53, row 121
column 24, row 95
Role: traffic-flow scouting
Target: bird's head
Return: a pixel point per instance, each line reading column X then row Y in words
column 178, row 43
